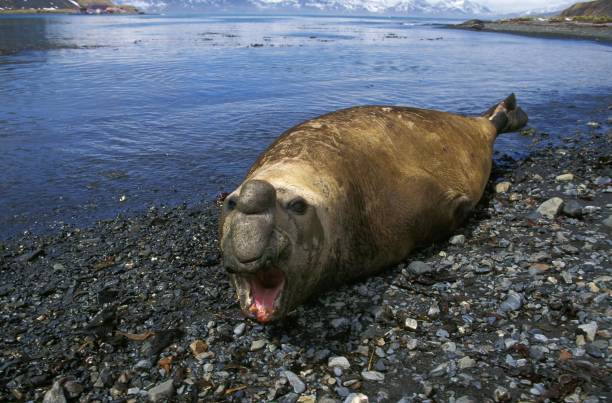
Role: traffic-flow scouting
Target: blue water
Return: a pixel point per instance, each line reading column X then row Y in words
column 164, row 110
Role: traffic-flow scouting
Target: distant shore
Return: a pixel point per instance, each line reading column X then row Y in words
column 40, row 11
column 114, row 10
column 545, row 28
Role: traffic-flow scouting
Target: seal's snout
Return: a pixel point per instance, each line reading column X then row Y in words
column 256, row 197
column 253, row 224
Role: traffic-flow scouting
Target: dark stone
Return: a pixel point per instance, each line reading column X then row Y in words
column 108, row 295
column 572, row 208
column 593, row 351
column 160, row 341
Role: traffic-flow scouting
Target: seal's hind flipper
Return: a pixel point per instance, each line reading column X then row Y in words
column 507, row 116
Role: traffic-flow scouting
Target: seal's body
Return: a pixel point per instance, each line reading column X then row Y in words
column 349, row 193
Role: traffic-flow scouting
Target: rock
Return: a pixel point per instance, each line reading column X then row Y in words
column 439, row 370
column 411, row 343
column 338, row 362
column 449, row 347
column 239, row 329
column 433, row 311
column 572, row 209
column 501, row 394
column 608, row 221
column 162, row 391
column 134, row 391
column 551, row 207
column 417, row 268
column 502, row 187
column 289, row 398
column 594, row 351
column 143, row 365
column 466, row 362
column 55, row 394
column 373, row 376
column 258, row 344
column 105, row 378
column 74, row 389
column 537, row 352
column 411, row 324
column 590, row 329
column 565, row 177
column 340, row 322
column 58, row 267
column 512, row 302
column 198, row 347
column 297, row 384
column 474, row 24
column 356, row 398
column 457, row 240
column 442, row 333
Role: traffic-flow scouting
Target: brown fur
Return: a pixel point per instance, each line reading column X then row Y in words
column 404, row 176
column 380, row 180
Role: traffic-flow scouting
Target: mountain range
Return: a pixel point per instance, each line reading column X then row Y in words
column 439, row 8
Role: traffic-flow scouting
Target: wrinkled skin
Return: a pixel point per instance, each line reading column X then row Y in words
column 345, row 195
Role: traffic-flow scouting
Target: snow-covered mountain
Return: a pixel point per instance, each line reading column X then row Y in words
column 441, row 8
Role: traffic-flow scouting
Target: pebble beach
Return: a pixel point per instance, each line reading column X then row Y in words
column 515, row 306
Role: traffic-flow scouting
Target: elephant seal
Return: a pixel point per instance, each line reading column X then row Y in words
column 347, row 194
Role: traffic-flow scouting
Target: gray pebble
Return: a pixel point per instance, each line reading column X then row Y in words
column 239, row 329
column 373, row 376
column 162, row 391
column 55, row 394
column 339, row 361
column 418, row 268
column 295, row 381
column 512, row 302
column 356, row 398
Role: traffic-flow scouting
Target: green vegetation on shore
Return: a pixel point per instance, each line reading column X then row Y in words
column 64, row 7
column 582, row 20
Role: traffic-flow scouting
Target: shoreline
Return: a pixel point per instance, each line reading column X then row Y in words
column 515, row 306
column 561, row 30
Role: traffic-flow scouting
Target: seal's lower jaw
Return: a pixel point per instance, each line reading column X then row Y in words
column 265, row 293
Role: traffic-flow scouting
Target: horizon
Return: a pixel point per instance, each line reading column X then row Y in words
column 497, row 7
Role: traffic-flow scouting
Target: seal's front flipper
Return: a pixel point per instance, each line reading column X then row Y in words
column 507, row 116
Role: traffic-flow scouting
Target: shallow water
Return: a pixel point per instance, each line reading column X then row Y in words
column 163, row 110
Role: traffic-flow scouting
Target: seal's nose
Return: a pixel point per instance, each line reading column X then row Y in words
column 256, row 196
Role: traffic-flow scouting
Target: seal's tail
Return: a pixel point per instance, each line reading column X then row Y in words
column 507, row 116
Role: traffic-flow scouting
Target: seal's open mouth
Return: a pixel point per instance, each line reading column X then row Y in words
column 266, row 289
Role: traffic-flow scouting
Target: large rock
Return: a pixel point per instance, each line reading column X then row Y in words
column 339, row 362
column 55, row 394
column 296, row 382
column 162, row 391
column 502, row 187
column 551, row 207
column 356, row 398
column 417, row 267
column 374, row 376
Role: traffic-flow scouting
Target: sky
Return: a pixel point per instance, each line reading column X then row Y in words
column 509, row 6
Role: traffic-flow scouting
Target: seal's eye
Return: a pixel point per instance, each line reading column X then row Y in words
column 298, row 206
column 230, row 203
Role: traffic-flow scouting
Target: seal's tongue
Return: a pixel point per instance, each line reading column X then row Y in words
column 265, row 289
